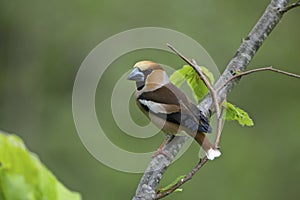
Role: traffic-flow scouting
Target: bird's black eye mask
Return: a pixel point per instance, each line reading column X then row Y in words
column 141, row 84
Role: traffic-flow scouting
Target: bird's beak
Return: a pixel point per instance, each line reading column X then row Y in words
column 136, row 75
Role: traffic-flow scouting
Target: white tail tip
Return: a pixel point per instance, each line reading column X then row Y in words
column 213, row 153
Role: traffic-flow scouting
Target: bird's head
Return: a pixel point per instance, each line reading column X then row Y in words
column 148, row 75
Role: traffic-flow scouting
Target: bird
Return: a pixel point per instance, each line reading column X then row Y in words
column 168, row 107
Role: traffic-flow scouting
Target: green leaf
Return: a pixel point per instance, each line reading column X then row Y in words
column 178, row 190
column 24, row 177
column 235, row 113
column 16, row 187
column 181, row 75
column 187, row 73
column 172, row 184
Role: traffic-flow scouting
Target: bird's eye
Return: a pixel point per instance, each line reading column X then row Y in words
column 147, row 71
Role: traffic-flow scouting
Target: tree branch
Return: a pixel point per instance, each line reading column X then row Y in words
column 289, row 7
column 185, row 179
column 258, row 70
column 149, row 183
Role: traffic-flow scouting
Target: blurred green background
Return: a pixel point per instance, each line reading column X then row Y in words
column 43, row 43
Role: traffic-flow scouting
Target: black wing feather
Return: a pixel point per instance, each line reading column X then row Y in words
column 188, row 119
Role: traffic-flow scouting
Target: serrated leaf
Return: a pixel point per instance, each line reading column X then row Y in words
column 187, row 73
column 235, row 113
column 23, row 176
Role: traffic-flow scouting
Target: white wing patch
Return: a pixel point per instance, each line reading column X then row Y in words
column 153, row 106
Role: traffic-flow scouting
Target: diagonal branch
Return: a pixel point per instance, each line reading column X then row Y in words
column 246, row 51
column 258, row 70
column 183, row 180
column 149, row 183
column 289, row 7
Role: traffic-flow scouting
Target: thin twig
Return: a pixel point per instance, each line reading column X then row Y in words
column 219, row 128
column 197, row 68
column 219, row 116
column 193, row 64
column 270, row 68
column 214, row 94
column 212, row 91
column 188, row 177
column 289, row 7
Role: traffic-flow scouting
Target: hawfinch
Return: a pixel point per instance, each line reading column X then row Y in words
column 168, row 107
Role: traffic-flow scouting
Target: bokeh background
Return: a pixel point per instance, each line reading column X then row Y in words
column 43, row 43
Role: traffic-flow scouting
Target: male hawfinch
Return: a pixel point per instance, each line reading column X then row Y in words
column 168, row 107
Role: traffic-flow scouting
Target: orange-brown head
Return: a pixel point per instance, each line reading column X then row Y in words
column 148, row 75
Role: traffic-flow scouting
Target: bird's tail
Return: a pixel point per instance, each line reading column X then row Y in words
column 209, row 149
column 204, row 123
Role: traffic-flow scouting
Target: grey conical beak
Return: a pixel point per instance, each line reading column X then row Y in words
column 136, row 75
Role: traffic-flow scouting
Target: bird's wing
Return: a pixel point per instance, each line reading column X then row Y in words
column 170, row 103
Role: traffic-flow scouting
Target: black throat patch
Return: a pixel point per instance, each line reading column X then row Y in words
column 140, row 84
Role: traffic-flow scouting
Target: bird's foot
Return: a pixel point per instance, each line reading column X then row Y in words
column 160, row 148
column 162, row 152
